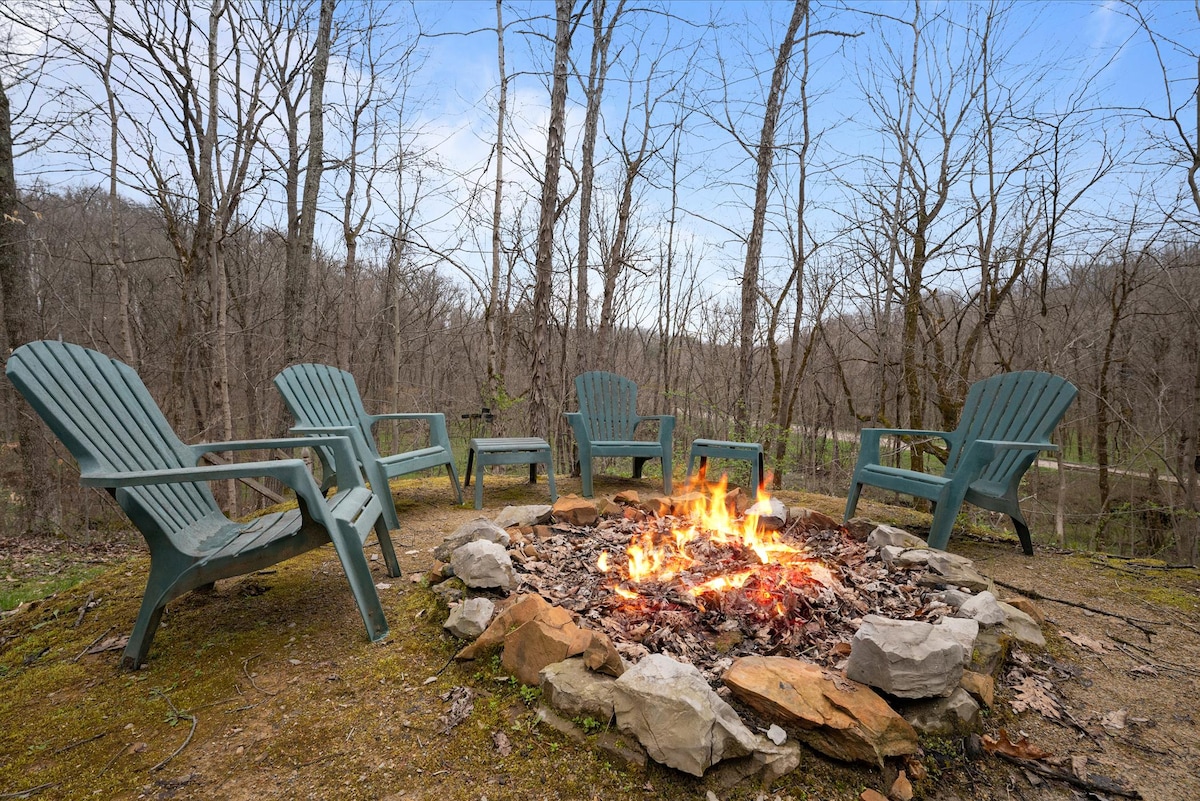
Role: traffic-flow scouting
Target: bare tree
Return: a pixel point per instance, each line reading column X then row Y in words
column 539, row 407
column 754, row 241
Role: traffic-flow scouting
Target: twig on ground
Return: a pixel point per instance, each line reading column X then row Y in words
column 83, row 609
column 1142, row 625
column 78, row 743
column 1162, row 664
column 31, row 791
column 195, row 721
column 92, row 644
column 330, row 755
column 246, row 670
column 1092, row 784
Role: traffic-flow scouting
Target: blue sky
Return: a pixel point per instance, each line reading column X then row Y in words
column 1059, row 51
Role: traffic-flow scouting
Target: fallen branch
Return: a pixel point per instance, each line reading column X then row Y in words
column 1137, row 623
column 195, row 721
column 83, row 609
column 78, row 743
column 1092, row 784
column 92, row 644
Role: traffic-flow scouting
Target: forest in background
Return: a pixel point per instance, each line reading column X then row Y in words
column 217, row 190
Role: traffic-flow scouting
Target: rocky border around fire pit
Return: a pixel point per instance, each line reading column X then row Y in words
column 899, row 680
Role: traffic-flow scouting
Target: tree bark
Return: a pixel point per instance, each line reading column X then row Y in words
column 39, row 510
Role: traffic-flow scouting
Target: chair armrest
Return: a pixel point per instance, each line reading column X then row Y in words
column 341, row 448
column 578, row 427
column 439, row 435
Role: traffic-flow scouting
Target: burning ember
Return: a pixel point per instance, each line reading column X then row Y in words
column 708, row 584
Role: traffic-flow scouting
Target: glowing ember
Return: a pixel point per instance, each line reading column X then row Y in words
column 738, row 563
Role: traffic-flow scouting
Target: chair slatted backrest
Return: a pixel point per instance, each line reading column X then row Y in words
column 1023, row 406
column 106, row 417
column 321, row 395
column 608, row 404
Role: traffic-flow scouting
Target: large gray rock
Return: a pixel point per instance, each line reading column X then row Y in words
column 670, row 709
column 983, row 608
column 907, row 658
column 956, row 715
column 572, row 689
column 523, row 516
column 895, row 537
column 483, row 564
column 470, row 618
column 964, row 631
column 478, row 529
column 952, row 570
column 1021, row 626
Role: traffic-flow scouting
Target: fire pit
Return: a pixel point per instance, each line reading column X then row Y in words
column 706, row 583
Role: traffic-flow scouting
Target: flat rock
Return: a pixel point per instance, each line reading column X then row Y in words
column 470, row 618
column 574, row 690
column 991, row 649
column 952, row 570
column 575, row 511
column 671, row 710
column 906, row 658
column 522, row 516
column 483, row 564
column 895, row 537
column 811, row 519
column 478, row 529
column 899, row 557
column 840, row 718
column 771, row 513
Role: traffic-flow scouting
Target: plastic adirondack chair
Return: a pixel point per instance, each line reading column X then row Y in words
column 1006, row 420
column 103, row 413
column 325, row 401
column 606, row 422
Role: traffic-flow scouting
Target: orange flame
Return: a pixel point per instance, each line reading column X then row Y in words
column 712, row 516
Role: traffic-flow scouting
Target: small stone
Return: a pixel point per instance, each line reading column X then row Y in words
column 902, row 789
column 470, row 618
column 981, row 687
column 483, row 564
column 776, row 734
column 628, row 498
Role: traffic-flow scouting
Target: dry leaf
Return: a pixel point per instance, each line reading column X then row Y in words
column 1146, row 670
column 502, row 743
column 1032, row 693
column 109, row 644
column 1114, row 720
column 1079, row 766
column 1021, row 749
column 1084, row 641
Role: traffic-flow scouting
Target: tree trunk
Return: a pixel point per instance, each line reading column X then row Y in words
column 494, row 309
column 539, row 408
column 39, row 508
column 754, row 243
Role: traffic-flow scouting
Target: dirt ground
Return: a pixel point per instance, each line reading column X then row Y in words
column 267, row 688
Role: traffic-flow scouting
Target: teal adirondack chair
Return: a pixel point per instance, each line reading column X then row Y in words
column 325, row 401
column 103, row 413
column 606, row 422
column 1006, row 420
